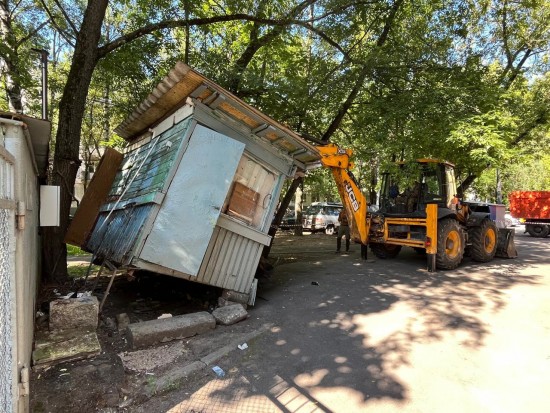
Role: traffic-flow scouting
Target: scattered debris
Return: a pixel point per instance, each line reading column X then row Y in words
column 314, row 283
column 122, row 321
column 243, row 346
column 219, row 371
column 76, row 295
column 109, row 323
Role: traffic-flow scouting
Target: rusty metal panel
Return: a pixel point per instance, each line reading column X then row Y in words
column 86, row 215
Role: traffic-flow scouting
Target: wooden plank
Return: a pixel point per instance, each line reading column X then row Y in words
column 243, row 202
column 86, row 215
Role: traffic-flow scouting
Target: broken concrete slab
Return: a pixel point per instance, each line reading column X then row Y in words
column 223, row 302
column 235, row 296
column 230, row 314
column 74, row 314
column 152, row 332
column 61, row 346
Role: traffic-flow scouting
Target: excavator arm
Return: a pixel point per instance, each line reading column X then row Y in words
column 355, row 203
column 338, row 160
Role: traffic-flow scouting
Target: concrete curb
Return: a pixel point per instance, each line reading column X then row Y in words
column 171, row 379
column 153, row 332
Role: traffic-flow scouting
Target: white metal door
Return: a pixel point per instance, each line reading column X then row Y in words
column 186, row 220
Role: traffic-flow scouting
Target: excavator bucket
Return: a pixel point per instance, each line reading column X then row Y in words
column 506, row 248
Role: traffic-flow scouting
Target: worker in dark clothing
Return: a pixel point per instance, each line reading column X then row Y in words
column 343, row 229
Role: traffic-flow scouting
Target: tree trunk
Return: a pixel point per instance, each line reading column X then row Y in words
column 498, row 188
column 373, row 183
column 67, row 144
column 281, row 213
column 365, row 69
column 466, row 184
column 298, row 209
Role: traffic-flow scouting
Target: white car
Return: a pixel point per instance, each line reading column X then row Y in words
column 510, row 221
column 322, row 216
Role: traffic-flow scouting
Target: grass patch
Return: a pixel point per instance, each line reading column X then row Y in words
column 73, row 250
column 77, row 271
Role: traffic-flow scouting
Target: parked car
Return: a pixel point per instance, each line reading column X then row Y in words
column 510, row 221
column 322, row 216
column 288, row 221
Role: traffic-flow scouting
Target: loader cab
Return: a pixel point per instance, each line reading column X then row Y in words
column 409, row 187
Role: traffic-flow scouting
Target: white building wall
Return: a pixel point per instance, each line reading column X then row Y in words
column 27, row 254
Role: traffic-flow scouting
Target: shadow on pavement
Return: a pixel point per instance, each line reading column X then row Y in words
column 344, row 327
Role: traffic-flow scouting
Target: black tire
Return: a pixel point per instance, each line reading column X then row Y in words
column 450, row 244
column 385, row 251
column 538, row 231
column 484, row 241
column 329, row 230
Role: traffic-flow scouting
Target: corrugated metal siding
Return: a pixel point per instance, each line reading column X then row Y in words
column 115, row 239
column 230, row 261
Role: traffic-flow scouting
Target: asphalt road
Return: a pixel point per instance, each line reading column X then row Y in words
column 387, row 336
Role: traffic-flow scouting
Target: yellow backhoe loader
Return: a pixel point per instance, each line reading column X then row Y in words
column 418, row 208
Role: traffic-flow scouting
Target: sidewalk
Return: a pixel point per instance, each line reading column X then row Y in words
column 350, row 336
column 78, row 260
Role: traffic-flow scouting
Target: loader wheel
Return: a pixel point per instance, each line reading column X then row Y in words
column 538, row 231
column 450, row 244
column 385, row 250
column 484, row 241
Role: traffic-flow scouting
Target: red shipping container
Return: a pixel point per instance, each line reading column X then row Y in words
column 530, row 204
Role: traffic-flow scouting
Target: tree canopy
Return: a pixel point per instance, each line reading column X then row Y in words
column 462, row 80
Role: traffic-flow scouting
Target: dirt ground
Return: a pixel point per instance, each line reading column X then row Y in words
column 103, row 383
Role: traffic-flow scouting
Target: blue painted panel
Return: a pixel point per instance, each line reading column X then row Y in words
column 114, row 240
